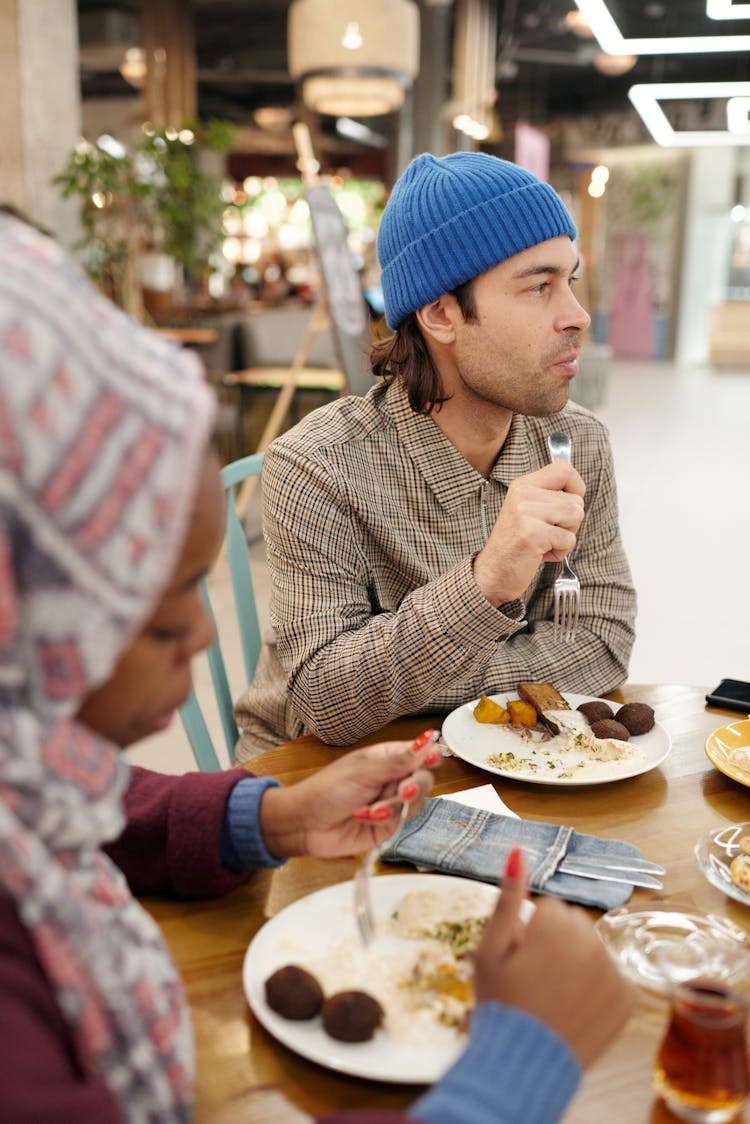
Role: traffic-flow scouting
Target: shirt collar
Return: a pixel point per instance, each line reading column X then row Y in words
column 445, row 470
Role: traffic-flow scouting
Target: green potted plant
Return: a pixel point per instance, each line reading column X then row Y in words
column 159, row 196
column 112, row 210
column 185, row 194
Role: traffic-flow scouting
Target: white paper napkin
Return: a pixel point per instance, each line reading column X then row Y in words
column 483, row 796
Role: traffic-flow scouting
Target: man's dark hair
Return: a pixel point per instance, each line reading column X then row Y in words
column 405, row 356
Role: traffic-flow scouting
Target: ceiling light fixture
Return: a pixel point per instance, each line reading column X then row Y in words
column 576, row 22
column 726, row 10
column 352, row 37
column 612, row 41
column 354, row 58
column 646, row 98
column 471, row 108
column 275, row 118
column 355, row 130
column 471, row 126
column 614, row 65
column 133, row 67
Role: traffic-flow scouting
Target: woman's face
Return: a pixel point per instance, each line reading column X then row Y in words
column 152, row 676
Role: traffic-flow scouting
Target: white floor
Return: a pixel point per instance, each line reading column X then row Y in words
column 681, row 441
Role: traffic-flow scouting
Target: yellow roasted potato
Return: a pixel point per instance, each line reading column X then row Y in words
column 522, row 713
column 488, row 711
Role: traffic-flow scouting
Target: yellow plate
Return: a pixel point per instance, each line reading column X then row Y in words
column 722, row 743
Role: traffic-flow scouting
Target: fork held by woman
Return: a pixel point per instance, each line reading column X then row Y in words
column 567, row 587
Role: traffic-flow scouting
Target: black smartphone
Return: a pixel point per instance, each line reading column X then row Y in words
column 731, row 694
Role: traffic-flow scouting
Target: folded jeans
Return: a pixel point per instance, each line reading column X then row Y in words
column 473, row 843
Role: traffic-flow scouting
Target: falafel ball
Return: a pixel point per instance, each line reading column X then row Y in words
column 610, row 728
column 638, row 717
column 294, row 992
column 596, row 711
column 352, row 1016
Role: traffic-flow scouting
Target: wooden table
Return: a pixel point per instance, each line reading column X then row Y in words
column 663, row 812
column 196, row 337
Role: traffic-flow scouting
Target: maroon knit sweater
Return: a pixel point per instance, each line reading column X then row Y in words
column 171, row 845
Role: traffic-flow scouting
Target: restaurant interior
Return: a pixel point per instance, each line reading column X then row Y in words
column 175, row 147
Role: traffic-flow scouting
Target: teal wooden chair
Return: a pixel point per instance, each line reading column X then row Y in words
column 192, row 716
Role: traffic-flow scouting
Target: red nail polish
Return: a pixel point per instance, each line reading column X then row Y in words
column 433, row 757
column 408, row 790
column 514, row 865
column 422, row 739
column 362, row 814
column 382, row 813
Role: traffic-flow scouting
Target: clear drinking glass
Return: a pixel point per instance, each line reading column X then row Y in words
column 702, row 1066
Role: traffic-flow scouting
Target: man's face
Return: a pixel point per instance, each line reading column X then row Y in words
column 520, row 352
column 152, row 676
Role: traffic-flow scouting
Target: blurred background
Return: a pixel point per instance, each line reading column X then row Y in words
column 658, row 179
column 172, row 145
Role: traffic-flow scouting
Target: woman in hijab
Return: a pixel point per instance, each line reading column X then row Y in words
column 111, row 509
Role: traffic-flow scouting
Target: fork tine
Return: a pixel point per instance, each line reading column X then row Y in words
column 570, row 613
column 575, row 611
column 570, row 603
column 362, row 902
column 364, row 915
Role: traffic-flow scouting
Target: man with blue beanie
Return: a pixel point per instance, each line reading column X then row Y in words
column 414, row 535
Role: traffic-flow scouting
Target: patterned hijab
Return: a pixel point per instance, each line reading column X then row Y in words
column 103, row 428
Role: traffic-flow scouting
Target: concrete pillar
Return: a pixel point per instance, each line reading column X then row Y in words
column 431, row 131
column 40, row 108
column 706, row 248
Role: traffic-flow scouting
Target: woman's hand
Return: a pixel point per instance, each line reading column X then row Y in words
column 555, row 968
column 350, row 805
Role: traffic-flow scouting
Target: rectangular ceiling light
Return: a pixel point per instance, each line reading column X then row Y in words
column 646, row 100
column 612, row 41
column 727, row 10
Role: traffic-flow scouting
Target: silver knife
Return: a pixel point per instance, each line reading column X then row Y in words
column 637, row 866
column 646, row 880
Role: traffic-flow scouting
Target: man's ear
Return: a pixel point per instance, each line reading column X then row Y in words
column 436, row 320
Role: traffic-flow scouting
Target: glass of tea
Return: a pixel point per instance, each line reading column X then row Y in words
column 702, row 1067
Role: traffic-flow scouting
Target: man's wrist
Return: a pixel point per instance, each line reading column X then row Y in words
column 488, row 585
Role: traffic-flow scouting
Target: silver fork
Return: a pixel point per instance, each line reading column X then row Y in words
column 363, row 911
column 567, row 587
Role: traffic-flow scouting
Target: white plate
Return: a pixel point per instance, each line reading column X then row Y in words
column 474, row 742
column 308, row 929
column 714, row 853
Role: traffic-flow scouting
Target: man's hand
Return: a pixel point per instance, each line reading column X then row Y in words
column 538, row 523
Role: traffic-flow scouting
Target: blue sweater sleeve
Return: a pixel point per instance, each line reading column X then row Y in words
column 242, row 843
column 513, row 1071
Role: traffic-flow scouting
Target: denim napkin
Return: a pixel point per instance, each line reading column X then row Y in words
column 471, row 842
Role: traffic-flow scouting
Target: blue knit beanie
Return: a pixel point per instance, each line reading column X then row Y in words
column 450, row 218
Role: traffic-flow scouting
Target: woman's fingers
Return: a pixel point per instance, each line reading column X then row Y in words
column 411, row 788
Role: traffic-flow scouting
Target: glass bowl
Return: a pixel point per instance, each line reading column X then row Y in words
column 658, row 948
column 714, row 852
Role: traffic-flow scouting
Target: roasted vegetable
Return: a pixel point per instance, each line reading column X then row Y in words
column 522, row 713
column 488, row 711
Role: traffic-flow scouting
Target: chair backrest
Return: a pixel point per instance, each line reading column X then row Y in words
column 238, row 559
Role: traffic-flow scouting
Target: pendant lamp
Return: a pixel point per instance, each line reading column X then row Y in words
column 354, row 58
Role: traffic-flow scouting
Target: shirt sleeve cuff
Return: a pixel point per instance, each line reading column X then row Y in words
column 467, row 614
column 513, row 1071
column 242, row 843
